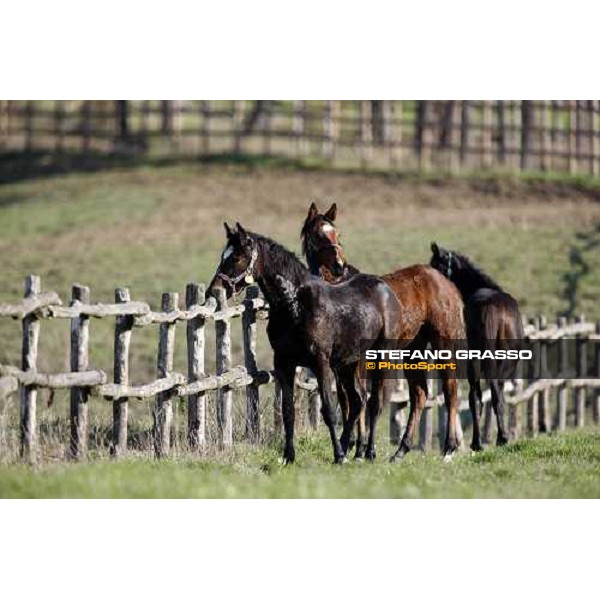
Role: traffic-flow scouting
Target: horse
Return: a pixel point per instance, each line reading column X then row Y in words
column 493, row 319
column 311, row 324
column 432, row 312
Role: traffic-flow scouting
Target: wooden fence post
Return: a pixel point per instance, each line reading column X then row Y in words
column 486, row 134
column 278, row 410
column 327, row 147
column 123, row 326
column 194, row 295
column 314, row 409
column 366, row 131
column 533, row 415
column 205, row 128
column 514, row 425
column 502, row 133
column 594, row 107
column 80, row 335
column 397, row 417
column 466, row 133
column 454, row 135
column 581, row 392
column 546, row 146
column 28, row 396
column 299, row 119
column 563, row 391
column 163, row 408
column 252, row 394
column 488, row 423
column 527, row 122
column 426, row 424
column 572, row 138
column 545, row 416
column 597, row 373
column 223, row 363
column 237, row 122
column 396, row 133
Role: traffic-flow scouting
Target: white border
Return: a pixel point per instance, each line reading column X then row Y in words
column 312, row 49
column 292, row 549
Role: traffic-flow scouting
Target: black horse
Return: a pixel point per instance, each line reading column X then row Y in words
column 312, row 324
column 493, row 320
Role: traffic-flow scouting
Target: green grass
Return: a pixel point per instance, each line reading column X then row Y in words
column 547, row 467
column 156, row 228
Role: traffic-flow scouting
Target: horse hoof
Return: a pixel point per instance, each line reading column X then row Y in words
column 476, row 447
column 340, row 460
column 359, row 459
column 501, row 441
column 448, row 458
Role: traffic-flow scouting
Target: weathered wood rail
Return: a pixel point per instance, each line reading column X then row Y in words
column 84, row 381
column 534, row 391
column 447, row 135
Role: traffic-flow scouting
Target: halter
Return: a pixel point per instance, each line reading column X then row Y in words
column 449, row 266
column 233, row 281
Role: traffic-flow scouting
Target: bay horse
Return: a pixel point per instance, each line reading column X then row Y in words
column 311, row 324
column 432, row 312
column 493, row 319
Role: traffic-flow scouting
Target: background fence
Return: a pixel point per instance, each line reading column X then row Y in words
column 576, row 395
column 521, row 135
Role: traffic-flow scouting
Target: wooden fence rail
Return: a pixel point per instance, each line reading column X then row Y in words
column 534, row 391
column 452, row 135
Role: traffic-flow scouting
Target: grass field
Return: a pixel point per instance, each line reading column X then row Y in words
column 546, row 467
column 157, row 228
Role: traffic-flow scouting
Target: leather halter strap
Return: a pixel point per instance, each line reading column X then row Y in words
column 449, row 266
column 233, row 281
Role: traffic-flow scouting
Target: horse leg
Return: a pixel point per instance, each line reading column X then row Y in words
column 450, row 388
column 285, row 374
column 417, row 389
column 360, row 423
column 498, row 404
column 355, row 399
column 325, row 377
column 343, row 401
column 475, row 408
column 374, row 406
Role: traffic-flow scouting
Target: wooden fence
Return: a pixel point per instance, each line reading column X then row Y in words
column 534, row 392
column 454, row 135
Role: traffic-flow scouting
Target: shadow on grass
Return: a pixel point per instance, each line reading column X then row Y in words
column 19, row 166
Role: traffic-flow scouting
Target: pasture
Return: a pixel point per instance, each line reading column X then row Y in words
column 156, row 228
column 547, row 467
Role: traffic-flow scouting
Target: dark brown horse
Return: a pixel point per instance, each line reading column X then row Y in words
column 312, row 324
column 493, row 320
column 432, row 312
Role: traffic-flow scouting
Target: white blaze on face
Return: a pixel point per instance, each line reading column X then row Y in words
column 328, row 228
column 226, row 253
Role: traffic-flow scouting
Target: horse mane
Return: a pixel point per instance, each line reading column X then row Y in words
column 281, row 260
column 477, row 274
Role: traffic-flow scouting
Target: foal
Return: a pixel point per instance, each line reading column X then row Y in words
column 432, row 312
column 311, row 324
column 493, row 319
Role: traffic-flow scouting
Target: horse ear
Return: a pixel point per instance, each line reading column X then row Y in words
column 331, row 214
column 242, row 232
column 435, row 249
column 313, row 211
column 228, row 230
